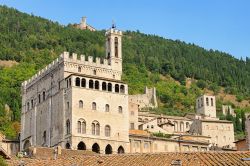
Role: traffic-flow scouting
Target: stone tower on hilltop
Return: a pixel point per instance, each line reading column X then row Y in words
column 206, row 106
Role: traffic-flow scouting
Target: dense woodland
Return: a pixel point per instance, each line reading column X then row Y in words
column 149, row 60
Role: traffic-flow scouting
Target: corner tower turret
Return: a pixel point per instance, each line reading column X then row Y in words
column 114, row 48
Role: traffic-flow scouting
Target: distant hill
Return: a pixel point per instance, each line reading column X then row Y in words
column 149, row 60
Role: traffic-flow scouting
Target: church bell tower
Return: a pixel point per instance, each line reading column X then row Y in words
column 114, row 48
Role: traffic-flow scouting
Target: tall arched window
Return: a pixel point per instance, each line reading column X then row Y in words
column 80, row 104
column 116, row 47
column 79, row 126
column 104, row 86
column 67, row 126
column 83, row 82
column 28, row 106
column 79, row 69
column 120, row 109
column 96, row 84
column 116, row 88
column 109, row 87
column 77, row 82
column 107, row 131
column 122, row 89
column 107, row 108
column 207, row 101
column 97, row 129
column 187, row 125
column 91, row 84
column 93, row 128
column 44, row 96
column 83, row 127
column 212, row 102
column 93, row 106
column 39, row 98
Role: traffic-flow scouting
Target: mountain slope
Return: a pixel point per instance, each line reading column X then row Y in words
column 149, row 60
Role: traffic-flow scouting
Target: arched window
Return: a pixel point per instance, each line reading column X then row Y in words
column 187, row 125
column 109, row 87
column 97, row 126
column 207, row 101
column 93, row 128
column 107, row 131
column 93, row 106
column 107, row 108
column 122, row 89
column 79, row 126
column 96, row 84
column 67, row 126
column 212, row 102
column 83, row 82
column 116, row 88
column 91, row 84
column 43, row 95
column 69, row 81
column 39, row 98
column 32, row 103
column 120, row 109
column 182, row 127
column 80, row 104
column 77, row 83
column 79, row 69
column 104, row 86
column 175, row 126
column 116, row 47
column 44, row 137
column 28, row 106
column 94, row 72
column 83, row 127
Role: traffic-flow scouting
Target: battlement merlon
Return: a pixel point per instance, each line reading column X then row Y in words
column 73, row 58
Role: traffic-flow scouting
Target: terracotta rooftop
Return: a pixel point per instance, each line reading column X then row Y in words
column 147, row 159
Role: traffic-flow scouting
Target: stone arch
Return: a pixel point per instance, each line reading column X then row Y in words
column 96, row 148
column 120, row 150
column 104, row 86
column 91, row 84
column 109, row 87
column 116, row 88
column 26, row 145
column 83, row 82
column 81, row 146
column 77, row 81
column 182, row 126
column 122, row 89
column 96, row 84
column 108, row 149
column 67, row 146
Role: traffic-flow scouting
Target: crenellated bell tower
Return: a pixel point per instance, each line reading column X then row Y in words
column 114, row 48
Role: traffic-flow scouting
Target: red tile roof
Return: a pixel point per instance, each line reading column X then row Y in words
column 149, row 159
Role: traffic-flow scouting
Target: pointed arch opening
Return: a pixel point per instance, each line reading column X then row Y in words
column 81, row 146
column 96, row 148
column 120, row 150
column 108, row 149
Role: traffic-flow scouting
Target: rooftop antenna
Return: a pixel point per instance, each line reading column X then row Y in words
column 113, row 24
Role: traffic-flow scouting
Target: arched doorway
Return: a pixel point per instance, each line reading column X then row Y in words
column 26, row 145
column 96, row 148
column 108, row 149
column 67, row 146
column 81, row 146
column 120, row 150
